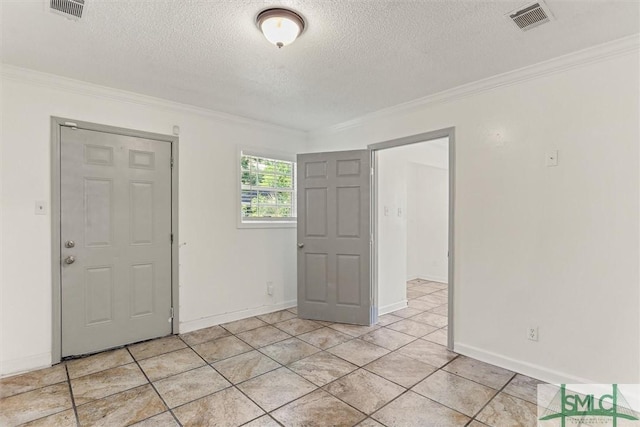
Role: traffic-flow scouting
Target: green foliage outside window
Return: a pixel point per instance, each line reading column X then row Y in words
column 268, row 188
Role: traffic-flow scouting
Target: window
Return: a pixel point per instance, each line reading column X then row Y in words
column 267, row 189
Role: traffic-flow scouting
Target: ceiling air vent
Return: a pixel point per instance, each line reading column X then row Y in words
column 531, row 16
column 70, row 8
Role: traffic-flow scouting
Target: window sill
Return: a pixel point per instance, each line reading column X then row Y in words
column 266, row 224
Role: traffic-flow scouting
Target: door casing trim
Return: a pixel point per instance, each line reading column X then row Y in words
column 398, row 142
column 56, row 238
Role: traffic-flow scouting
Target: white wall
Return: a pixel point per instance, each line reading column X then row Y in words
column 395, row 190
column 553, row 247
column 427, row 222
column 223, row 270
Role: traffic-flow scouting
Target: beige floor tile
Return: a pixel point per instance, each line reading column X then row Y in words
column 205, row 334
column 297, row 326
column 476, row 423
column 226, row 408
column 322, row 368
column 400, row 369
column 164, row 419
column 244, row 366
column 524, row 387
column 369, row 422
column 32, row 380
column 480, row 372
column 414, row 293
column 105, row 383
column 411, row 327
column 155, row 347
column 411, row 409
column 428, row 352
column 263, row 336
column 20, row 408
column 168, row 364
column 278, row 316
column 388, row 338
column 289, row 351
column 318, row 409
column 358, row 352
column 244, row 325
column 325, row 338
column 323, row 322
column 422, row 305
column 388, row 319
column 222, row 348
column 433, row 299
column 427, row 288
column 431, row 319
column 294, row 310
column 353, row 330
column 439, row 337
column 407, row 312
column 122, row 409
column 276, row 388
column 61, row 419
column 455, row 392
column 505, row 410
column 364, row 391
column 263, row 421
column 442, row 310
column 98, row 362
column 191, row 385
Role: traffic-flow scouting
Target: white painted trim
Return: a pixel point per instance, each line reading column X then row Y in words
column 25, row 364
column 525, row 368
column 392, row 307
column 205, row 322
column 52, row 81
column 623, row 46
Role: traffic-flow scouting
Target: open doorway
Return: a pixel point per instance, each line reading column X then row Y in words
column 413, row 234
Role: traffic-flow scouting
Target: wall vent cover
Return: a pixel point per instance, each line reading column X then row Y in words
column 69, row 8
column 531, row 16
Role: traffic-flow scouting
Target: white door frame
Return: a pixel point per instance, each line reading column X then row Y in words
column 414, row 139
column 56, row 259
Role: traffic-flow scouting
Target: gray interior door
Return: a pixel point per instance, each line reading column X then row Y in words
column 116, row 240
column 334, row 251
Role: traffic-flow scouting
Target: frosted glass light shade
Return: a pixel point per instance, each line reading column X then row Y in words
column 280, row 26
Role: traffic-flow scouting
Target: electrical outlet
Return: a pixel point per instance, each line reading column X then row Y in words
column 532, row 333
column 270, row 288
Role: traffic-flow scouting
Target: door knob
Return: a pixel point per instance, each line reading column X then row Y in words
column 301, row 245
column 69, row 244
column 70, row 259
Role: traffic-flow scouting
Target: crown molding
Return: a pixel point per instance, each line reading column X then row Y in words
column 619, row 47
column 52, row 81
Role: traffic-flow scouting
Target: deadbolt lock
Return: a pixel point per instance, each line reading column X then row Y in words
column 69, row 244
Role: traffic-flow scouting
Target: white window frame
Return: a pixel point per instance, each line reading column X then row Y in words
column 270, row 154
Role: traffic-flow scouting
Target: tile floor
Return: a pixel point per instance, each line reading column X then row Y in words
column 278, row 369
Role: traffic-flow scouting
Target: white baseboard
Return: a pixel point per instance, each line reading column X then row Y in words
column 392, row 307
column 24, row 364
column 205, row 322
column 529, row 369
column 428, row 278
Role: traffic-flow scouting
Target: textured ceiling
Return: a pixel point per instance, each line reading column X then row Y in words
column 355, row 57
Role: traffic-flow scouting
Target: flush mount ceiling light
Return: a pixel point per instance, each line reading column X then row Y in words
column 280, row 26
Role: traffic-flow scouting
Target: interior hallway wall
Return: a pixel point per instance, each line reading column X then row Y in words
column 427, row 222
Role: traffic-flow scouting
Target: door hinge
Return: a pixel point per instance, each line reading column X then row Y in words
column 171, row 237
column 171, row 313
column 371, row 170
column 171, row 162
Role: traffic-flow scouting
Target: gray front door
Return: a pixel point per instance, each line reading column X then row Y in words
column 115, row 215
column 334, row 251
